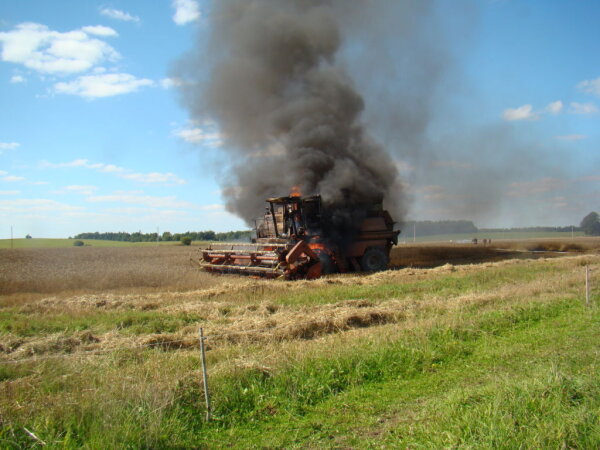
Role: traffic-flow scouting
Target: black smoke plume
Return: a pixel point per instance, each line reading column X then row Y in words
column 288, row 110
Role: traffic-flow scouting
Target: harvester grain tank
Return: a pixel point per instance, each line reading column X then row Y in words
column 297, row 239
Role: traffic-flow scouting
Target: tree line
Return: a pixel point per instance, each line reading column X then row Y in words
column 167, row 236
column 590, row 225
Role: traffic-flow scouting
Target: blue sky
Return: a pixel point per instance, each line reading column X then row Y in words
column 93, row 137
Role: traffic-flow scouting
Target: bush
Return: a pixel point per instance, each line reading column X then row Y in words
column 78, row 243
column 591, row 224
column 185, row 240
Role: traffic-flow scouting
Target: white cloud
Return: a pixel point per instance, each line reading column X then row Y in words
column 100, row 30
column 12, row 178
column 145, row 200
column 154, row 177
column 186, row 11
column 10, row 192
column 17, row 79
column 75, row 163
column 150, row 177
column 453, row 164
column 83, row 190
column 590, row 86
column 131, row 192
column 433, row 192
column 583, row 108
column 524, row 112
column 559, row 202
column 571, row 137
column 39, row 48
column 526, row 188
column 34, row 205
column 205, row 135
column 168, row 83
column 108, row 168
column 590, row 178
column 103, row 85
column 8, row 146
column 214, row 207
column 555, row 107
column 404, row 167
column 119, row 15
column 3, row 172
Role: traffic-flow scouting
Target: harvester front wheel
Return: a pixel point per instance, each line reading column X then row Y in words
column 374, row 259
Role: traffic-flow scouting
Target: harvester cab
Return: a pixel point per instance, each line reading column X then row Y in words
column 290, row 243
column 289, row 218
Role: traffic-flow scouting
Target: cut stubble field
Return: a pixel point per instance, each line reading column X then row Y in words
column 457, row 346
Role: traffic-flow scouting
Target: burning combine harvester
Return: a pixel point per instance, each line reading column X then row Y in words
column 298, row 239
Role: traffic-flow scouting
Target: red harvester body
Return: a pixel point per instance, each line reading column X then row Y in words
column 294, row 242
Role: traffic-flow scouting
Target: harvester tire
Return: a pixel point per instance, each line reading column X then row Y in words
column 374, row 259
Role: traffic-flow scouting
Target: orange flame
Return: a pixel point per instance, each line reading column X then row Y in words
column 295, row 192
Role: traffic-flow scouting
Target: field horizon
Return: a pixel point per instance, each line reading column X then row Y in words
column 404, row 238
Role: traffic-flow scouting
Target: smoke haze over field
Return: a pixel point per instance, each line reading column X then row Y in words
column 358, row 100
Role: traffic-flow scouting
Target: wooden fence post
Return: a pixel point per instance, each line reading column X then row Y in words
column 587, row 286
column 205, row 376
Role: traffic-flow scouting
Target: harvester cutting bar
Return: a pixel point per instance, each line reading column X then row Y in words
column 263, row 259
column 250, row 256
column 233, row 247
column 228, row 268
column 234, row 252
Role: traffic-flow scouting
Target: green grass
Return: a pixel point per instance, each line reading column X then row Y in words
column 520, row 378
column 127, row 322
column 518, row 371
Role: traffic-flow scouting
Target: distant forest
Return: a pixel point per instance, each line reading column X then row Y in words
column 167, row 236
